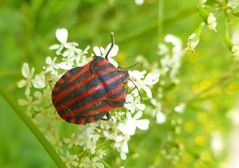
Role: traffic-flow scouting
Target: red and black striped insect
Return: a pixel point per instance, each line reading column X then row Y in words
column 87, row 94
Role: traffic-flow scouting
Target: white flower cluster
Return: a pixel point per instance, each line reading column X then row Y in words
column 85, row 146
column 170, row 53
column 170, row 61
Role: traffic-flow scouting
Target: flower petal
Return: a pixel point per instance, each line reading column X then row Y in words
column 142, row 124
column 122, row 128
column 39, row 81
column 114, row 51
column 48, row 60
column 125, row 148
column 25, row 70
column 152, row 78
column 129, row 98
column 128, row 106
column 138, row 115
column 130, row 127
column 140, row 106
column 54, row 47
column 119, row 139
column 62, row 35
column 148, row 91
column 66, row 53
column 161, row 118
column 112, row 61
column 21, row 83
column 96, row 51
column 64, row 65
column 180, row 108
column 102, row 50
column 123, row 156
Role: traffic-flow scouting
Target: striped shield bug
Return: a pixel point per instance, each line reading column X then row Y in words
column 87, row 94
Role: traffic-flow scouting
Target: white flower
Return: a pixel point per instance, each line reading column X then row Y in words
column 70, row 47
column 51, row 65
column 62, row 35
column 39, row 81
column 211, row 22
column 128, row 129
column 170, row 56
column 29, row 102
column 72, row 141
column 88, row 138
column 157, row 112
column 70, row 160
column 65, row 65
column 133, row 104
column 194, row 38
column 121, row 144
column 100, row 51
column 137, row 77
column 139, row 2
column 152, row 78
column 109, row 129
column 177, row 43
column 180, row 108
column 45, row 96
column 162, row 49
column 28, row 75
column 132, row 123
column 193, row 41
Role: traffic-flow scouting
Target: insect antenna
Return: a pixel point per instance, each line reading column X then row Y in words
column 136, row 88
column 111, row 46
column 134, row 65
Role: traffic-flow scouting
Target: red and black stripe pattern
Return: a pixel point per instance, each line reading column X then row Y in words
column 86, row 94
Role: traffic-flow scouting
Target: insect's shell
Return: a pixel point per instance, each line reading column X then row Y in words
column 86, row 94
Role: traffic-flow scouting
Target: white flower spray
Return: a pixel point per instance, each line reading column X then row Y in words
column 166, row 72
column 84, row 145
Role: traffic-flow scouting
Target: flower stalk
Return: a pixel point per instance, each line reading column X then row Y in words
column 33, row 128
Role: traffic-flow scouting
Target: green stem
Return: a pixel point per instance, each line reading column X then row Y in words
column 41, row 138
column 160, row 19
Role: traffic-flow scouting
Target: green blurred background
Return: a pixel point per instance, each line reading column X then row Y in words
column 27, row 29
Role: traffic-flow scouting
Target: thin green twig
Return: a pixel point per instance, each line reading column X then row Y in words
column 160, row 19
column 41, row 138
